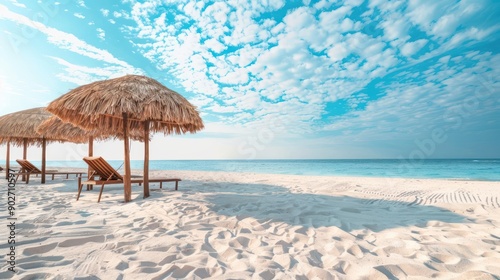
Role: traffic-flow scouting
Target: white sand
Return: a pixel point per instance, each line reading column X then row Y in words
column 255, row 226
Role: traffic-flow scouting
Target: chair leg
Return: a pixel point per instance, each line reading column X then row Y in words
column 161, row 185
column 176, row 184
column 80, row 186
column 102, row 188
column 53, row 177
column 28, row 179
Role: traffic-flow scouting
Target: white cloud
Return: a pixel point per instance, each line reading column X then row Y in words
column 299, row 18
column 353, row 3
column 100, row 33
column 215, row 45
column 104, row 12
column 63, row 40
column 473, row 33
column 442, row 19
column 81, row 75
column 216, row 108
column 411, row 48
column 78, row 15
column 16, row 3
column 119, row 14
column 396, row 27
column 338, row 52
column 323, row 4
column 81, row 3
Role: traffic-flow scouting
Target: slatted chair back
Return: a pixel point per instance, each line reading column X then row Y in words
column 102, row 168
column 28, row 166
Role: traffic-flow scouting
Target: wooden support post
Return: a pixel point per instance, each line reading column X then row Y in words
column 127, row 187
column 7, row 161
column 146, row 159
column 90, row 171
column 25, row 154
column 44, row 158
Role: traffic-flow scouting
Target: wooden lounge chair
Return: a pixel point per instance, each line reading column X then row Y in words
column 108, row 175
column 27, row 168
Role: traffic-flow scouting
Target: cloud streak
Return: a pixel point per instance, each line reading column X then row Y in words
column 66, row 40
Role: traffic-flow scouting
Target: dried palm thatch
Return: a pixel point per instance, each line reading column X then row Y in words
column 17, row 126
column 100, row 105
column 19, row 129
column 56, row 128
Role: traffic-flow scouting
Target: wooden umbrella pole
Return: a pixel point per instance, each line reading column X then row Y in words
column 44, row 158
column 91, row 153
column 25, row 155
column 127, row 188
column 7, row 161
column 146, row 159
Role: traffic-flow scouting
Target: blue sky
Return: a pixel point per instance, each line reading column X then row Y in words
column 274, row 79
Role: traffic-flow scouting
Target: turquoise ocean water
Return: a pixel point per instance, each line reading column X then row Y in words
column 466, row 169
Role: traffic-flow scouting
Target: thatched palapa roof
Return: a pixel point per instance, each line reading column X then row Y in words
column 17, row 126
column 141, row 98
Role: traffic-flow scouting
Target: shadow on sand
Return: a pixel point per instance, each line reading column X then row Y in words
column 278, row 204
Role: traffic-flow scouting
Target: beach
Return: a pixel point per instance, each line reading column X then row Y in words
column 231, row 225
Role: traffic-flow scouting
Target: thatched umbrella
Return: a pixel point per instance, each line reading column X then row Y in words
column 128, row 103
column 19, row 128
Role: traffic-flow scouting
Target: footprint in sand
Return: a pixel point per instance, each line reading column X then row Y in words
column 206, row 272
column 319, row 273
column 342, row 267
column 63, row 224
column 356, row 251
column 391, row 271
column 83, row 213
column 168, row 259
column 175, row 272
column 37, row 250
column 81, row 241
column 284, row 260
column 444, row 258
column 38, row 265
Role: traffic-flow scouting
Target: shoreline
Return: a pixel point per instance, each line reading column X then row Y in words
column 137, row 171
